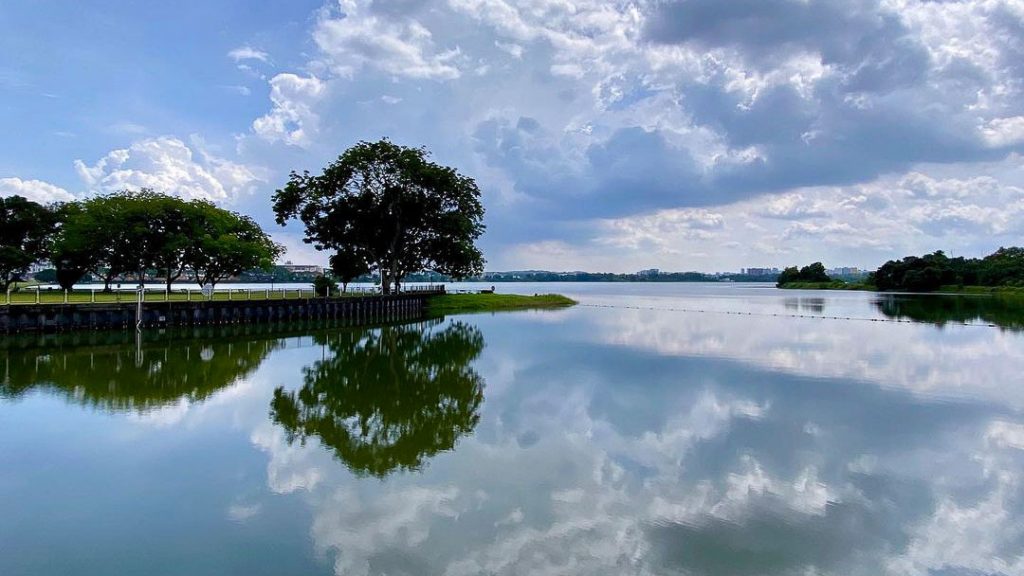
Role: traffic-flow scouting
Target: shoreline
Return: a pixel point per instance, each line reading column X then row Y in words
column 1013, row 291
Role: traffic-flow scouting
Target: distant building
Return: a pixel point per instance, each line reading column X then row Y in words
column 649, row 272
column 302, row 268
column 760, row 271
column 849, row 271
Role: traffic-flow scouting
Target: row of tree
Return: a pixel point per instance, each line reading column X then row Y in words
column 1004, row 267
column 127, row 234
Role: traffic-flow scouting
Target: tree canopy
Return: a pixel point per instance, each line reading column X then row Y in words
column 128, row 233
column 810, row 273
column 1004, row 267
column 25, row 231
column 392, row 207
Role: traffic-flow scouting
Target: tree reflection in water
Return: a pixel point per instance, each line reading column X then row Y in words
column 387, row 399
column 112, row 371
column 1003, row 311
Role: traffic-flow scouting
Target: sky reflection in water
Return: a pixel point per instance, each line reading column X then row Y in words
column 594, row 440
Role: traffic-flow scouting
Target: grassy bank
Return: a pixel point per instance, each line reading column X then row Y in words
column 469, row 303
column 1015, row 291
column 834, row 285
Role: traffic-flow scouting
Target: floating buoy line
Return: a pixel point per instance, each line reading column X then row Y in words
column 787, row 315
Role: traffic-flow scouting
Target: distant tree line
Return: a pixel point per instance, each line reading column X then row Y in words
column 127, row 234
column 546, row 276
column 810, row 273
column 1004, row 267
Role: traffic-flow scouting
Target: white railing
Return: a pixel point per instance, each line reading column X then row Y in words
column 39, row 295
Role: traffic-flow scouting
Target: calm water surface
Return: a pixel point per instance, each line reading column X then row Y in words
column 655, row 429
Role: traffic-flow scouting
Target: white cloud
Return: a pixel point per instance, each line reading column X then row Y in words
column 358, row 38
column 35, row 190
column 1004, row 131
column 248, row 53
column 975, row 537
column 511, row 48
column 170, row 166
column 292, row 119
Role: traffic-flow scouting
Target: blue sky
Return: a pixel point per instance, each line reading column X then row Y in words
column 606, row 135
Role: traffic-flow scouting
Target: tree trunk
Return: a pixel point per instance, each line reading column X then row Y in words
column 385, row 280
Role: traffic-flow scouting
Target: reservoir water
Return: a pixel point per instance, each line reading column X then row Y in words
column 704, row 429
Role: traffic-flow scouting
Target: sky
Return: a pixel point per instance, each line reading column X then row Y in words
column 605, row 135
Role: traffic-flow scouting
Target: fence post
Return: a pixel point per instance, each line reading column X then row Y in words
column 37, row 294
column 92, row 295
column 188, row 294
column 229, row 294
column 65, row 296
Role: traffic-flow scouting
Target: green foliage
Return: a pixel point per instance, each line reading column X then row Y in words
column 25, row 231
column 348, row 264
column 811, row 273
column 1004, row 267
column 392, row 207
column 324, row 286
column 832, row 285
column 387, row 399
column 227, row 244
column 132, row 232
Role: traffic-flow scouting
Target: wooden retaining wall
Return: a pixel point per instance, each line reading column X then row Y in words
column 354, row 310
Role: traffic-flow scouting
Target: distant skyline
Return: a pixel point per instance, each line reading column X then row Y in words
column 606, row 135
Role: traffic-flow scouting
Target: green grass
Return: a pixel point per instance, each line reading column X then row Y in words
column 469, row 303
column 1015, row 291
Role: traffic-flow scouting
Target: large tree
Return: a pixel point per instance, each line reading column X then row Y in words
column 227, row 244
column 79, row 244
column 25, row 231
column 392, row 204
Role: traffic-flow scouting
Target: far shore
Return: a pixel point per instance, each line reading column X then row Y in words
column 944, row 290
